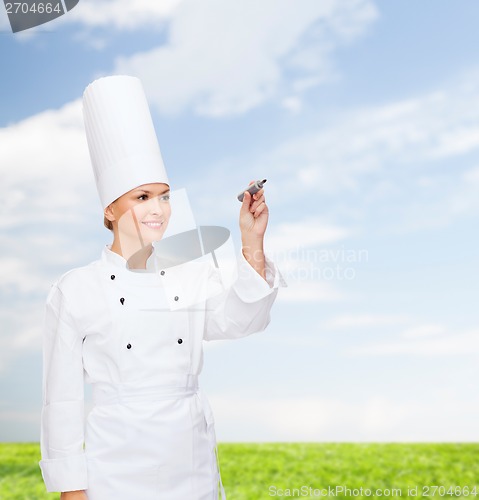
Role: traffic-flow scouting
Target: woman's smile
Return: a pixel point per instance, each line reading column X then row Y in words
column 153, row 224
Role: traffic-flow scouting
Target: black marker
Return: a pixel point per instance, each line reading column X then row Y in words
column 254, row 188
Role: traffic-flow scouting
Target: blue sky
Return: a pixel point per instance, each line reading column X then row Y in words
column 364, row 118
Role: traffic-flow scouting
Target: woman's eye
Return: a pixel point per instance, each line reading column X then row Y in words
column 165, row 197
column 142, row 196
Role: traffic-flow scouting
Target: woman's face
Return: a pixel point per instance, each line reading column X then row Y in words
column 142, row 213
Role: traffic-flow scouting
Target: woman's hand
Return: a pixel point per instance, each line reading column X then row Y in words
column 74, row 495
column 253, row 215
column 253, row 221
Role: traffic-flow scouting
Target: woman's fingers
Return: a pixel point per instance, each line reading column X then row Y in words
column 258, row 194
column 257, row 202
column 259, row 210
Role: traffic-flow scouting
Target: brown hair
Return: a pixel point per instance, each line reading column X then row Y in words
column 107, row 223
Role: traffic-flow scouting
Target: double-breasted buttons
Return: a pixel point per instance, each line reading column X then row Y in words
column 128, row 346
column 180, row 341
column 122, row 300
column 176, row 297
column 162, row 273
column 112, row 277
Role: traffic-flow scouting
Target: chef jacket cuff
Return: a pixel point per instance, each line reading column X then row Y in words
column 251, row 286
column 65, row 474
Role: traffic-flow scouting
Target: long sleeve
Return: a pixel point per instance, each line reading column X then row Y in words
column 63, row 462
column 244, row 308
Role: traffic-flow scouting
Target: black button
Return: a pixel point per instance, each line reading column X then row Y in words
column 176, row 298
column 180, row 341
column 112, row 276
column 162, row 272
column 122, row 300
column 128, row 346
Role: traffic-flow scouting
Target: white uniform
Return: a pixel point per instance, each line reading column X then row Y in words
column 150, row 434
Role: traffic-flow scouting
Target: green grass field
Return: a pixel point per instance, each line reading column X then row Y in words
column 300, row 470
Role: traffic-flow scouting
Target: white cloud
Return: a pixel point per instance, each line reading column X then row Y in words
column 48, row 198
column 389, row 160
column 18, row 275
column 463, row 201
column 472, row 175
column 9, row 416
column 423, row 331
column 411, row 133
column 364, row 320
column 48, row 194
column 226, row 57
column 46, row 171
column 375, row 418
column 20, row 331
column 426, row 340
column 122, row 14
column 309, row 267
column 303, row 292
column 376, row 321
column 44, row 146
column 292, row 103
column 297, row 238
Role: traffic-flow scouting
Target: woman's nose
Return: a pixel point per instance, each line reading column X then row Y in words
column 156, row 205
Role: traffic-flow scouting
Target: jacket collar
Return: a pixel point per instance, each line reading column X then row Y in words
column 117, row 260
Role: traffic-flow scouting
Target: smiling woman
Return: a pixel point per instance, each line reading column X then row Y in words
column 124, row 324
column 138, row 218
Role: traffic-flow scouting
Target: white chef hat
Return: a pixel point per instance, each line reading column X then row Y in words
column 123, row 146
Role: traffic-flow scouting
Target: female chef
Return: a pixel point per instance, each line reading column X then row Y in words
column 132, row 324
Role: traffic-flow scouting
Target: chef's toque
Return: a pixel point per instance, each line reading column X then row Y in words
column 123, row 146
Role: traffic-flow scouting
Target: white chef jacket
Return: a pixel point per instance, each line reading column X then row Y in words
column 136, row 336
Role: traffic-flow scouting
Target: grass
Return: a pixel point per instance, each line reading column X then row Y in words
column 299, row 470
